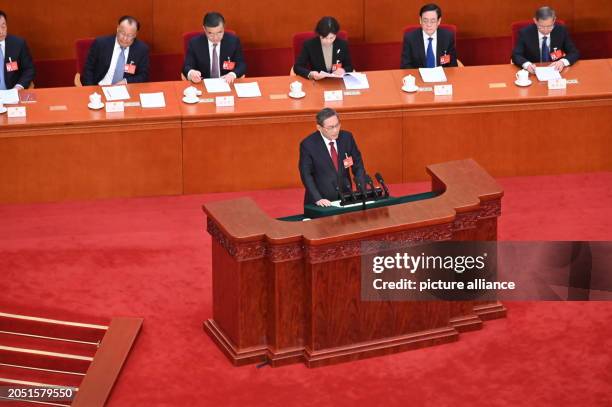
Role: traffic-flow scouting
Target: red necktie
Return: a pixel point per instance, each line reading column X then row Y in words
column 334, row 154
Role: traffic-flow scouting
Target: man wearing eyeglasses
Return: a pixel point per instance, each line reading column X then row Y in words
column 327, row 157
column 118, row 59
column 214, row 54
column 544, row 41
column 429, row 46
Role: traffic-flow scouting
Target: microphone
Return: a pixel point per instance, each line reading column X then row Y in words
column 369, row 181
column 381, row 181
column 361, row 189
column 349, row 186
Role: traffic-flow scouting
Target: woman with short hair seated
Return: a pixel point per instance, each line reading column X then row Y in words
column 325, row 52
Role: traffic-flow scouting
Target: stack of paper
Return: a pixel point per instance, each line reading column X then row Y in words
column 545, row 73
column 247, row 90
column 355, row 80
column 432, row 74
column 152, row 99
column 216, row 85
column 119, row 92
column 9, row 97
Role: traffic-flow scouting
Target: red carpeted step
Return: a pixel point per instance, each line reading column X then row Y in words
column 44, row 360
column 57, row 378
column 51, row 327
column 48, row 344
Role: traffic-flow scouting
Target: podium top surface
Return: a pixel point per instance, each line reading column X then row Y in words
column 464, row 184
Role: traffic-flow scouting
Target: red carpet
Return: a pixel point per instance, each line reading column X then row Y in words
column 150, row 257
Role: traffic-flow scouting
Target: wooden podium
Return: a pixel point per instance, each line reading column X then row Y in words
column 287, row 292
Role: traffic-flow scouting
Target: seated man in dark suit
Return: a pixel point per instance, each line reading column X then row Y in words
column 118, row 59
column 544, row 41
column 429, row 46
column 17, row 67
column 215, row 53
column 326, row 157
column 325, row 52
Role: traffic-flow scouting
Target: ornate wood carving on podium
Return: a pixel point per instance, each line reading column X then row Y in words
column 287, row 292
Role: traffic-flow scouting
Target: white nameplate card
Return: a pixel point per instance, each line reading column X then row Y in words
column 352, row 93
column 19, row 111
column 131, row 104
column 112, row 107
column 557, row 84
column 332, row 95
column 207, row 100
column 443, row 90
column 425, row 89
column 224, row 101
column 572, row 81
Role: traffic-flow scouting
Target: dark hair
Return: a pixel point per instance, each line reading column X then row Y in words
column 131, row 20
column 213, row 19
column 431, row 7
column 544, row 13
column 3, row 14
column 325, row 114
column 327, row 25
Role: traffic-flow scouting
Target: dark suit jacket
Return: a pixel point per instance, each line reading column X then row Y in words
column 17, row 49
column 198, row 58
column 101, row 53
column 413, row 50
column 527, row 47
column 311, row 57
column 317, row 171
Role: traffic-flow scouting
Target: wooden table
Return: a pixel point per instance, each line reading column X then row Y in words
column 81, row 154
column 508, row 129
column 63, row 150
column 511, row 130
column 255, row 144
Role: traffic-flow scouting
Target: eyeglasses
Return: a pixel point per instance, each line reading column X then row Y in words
column 126, row 36
column 428, row 21
column 334, row 127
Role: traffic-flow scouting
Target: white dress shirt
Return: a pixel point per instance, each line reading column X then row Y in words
column 108, row 78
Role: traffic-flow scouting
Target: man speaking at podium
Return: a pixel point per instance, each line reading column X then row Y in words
column 326, row 158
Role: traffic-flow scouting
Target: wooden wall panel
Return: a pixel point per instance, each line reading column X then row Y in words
column 499, row 143
column 260, row 24
column 593, row 15
column 385, row 19
column 51, row 28
column 92, row 164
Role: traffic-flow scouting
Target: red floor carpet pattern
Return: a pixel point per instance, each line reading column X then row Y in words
column 150, row 257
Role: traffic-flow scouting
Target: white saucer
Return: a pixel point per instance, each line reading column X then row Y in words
column 3, row 110
column 297, row 95
column 95, row 107
column 190, row 101
column 517, row 83
column 405, row 89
